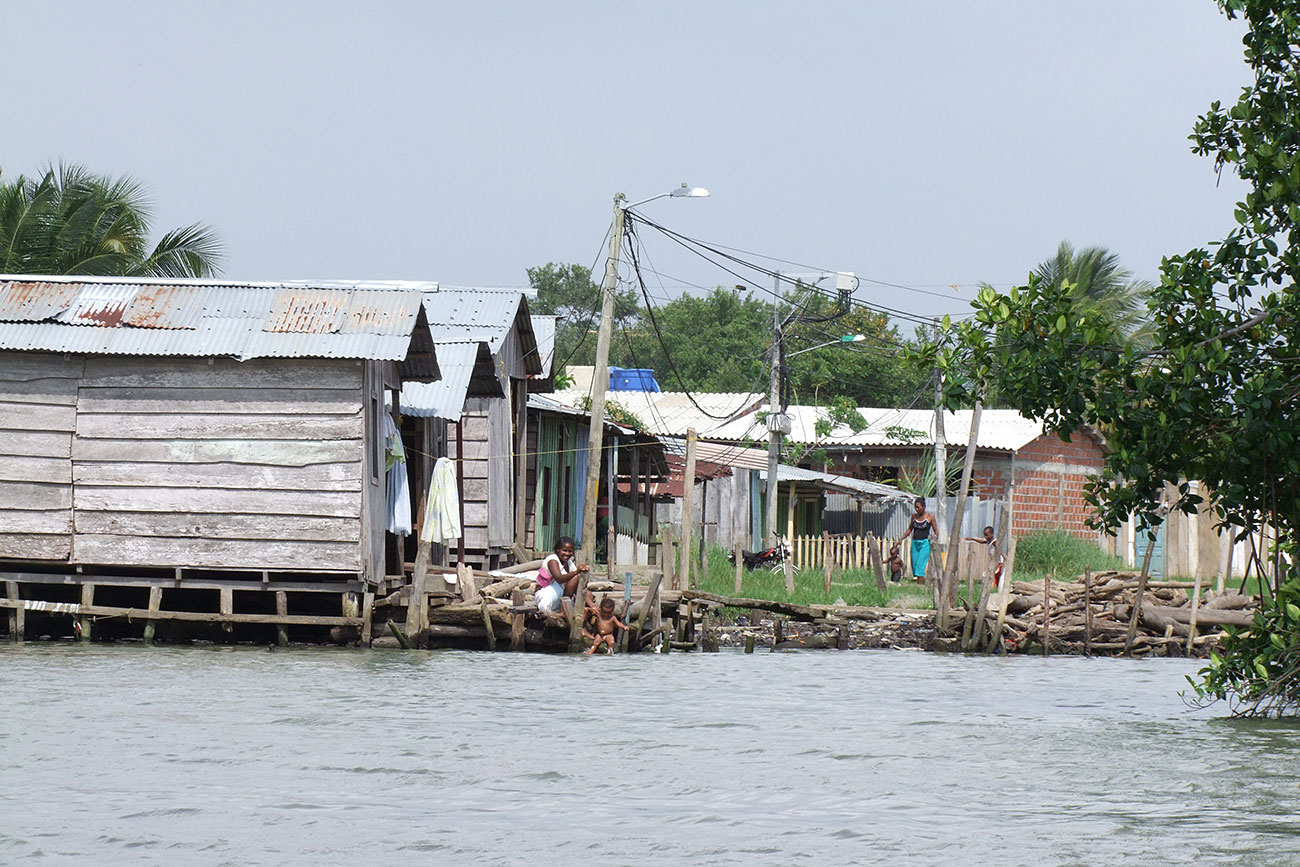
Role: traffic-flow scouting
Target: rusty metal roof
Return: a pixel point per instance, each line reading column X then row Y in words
column 192, row 317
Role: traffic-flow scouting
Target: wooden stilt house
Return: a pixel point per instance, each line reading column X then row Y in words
column 487, row 341
column 182, row 430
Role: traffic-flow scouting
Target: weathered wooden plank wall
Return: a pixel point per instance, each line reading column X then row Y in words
column 38, row 398
column 221, row 464
column 476, row 451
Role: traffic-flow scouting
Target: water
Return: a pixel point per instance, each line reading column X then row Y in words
column 244, row 756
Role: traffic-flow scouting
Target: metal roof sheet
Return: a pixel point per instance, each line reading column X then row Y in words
column 195, row 318
column 446, row 397
column 734, row 417
column 544, row 331
column 481, row 314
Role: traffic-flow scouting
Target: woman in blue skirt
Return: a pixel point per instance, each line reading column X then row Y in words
column 919, row 529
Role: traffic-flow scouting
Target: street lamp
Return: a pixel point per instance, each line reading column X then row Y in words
column 600, row 380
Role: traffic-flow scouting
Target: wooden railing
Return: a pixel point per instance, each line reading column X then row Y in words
column 848, row 551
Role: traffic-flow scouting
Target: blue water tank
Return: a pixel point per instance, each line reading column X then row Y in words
column 632, row 379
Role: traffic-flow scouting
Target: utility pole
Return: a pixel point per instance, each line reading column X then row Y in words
column 940, row 454
column 600, row 382
column 775, row 416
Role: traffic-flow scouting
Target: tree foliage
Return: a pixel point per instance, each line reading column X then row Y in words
column 71, row 221
column 1215, row 398
column 717, row 342
column 1102, row 286
column 568, row 292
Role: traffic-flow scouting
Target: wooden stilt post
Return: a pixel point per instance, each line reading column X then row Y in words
column 151, row 625
column 1087, row 611
column 1047, row 610
column 651, row 599
column 487, row 626
column 87, row 601
column 668, row 552
column 367, row 617
column 226, row 596
column 17, row 616
column 1196, row 604
column 282, row 609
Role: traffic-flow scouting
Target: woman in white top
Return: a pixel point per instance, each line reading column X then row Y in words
column 558, row 576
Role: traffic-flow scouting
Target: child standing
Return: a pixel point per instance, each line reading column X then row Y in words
column 895, row 565
column 601, row 631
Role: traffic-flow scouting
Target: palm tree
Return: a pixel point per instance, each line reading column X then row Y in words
column 1103, row 285
column 70, row 221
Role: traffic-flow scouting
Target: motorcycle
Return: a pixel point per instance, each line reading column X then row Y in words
column 769, row 558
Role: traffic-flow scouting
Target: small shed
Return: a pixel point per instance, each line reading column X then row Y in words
column 201, row 426
column 489, row 350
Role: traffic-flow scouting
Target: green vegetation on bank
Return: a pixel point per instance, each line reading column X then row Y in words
column 1210, row 394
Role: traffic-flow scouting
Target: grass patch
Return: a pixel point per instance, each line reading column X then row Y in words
column 1060, row 554
column 854, row 586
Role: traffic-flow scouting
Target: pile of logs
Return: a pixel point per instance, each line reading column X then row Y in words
column 1094, row 614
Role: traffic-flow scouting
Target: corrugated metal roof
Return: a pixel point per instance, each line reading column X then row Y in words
column 673, row 413
column 446, row 397
column 21, row 302
column 738, row 457
column 194, row 318
column 544, row 331
column 479, row 314
column 99, row 304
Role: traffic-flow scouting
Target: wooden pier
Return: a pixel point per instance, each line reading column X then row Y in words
column 179, row 606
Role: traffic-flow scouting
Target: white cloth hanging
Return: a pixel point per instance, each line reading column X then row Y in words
column 398, row 488
column 442, row 511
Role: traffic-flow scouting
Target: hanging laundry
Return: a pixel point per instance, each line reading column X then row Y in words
column 442, row 511
column 399, row 489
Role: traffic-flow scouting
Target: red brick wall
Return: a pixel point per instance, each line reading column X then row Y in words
column 1042, row 501
column 1046, row 497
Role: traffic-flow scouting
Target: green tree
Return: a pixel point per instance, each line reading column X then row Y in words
column 713, row 343
column 567, row 291
column 1102, row 287
column 71, row 221
column 1216, row 397
column 872, row 372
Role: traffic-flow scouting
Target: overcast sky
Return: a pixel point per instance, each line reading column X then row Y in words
column 924, row 144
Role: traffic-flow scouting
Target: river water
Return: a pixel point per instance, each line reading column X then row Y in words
column 245, row 756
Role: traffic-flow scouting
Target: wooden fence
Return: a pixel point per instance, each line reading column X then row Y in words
column 849, row 551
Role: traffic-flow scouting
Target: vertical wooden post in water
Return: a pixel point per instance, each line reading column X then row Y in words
column 87, row 601
column 17, row 616
column 155, row 602
column 688, row 508
column 1087, row 611
column 367, row 616
column 1047, row 609
column 1196, row 604
column 281, row 609
column 487, row 626
column 651, row 599
column 226, row 603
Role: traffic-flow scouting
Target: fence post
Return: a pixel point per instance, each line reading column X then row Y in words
column 826, row 561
